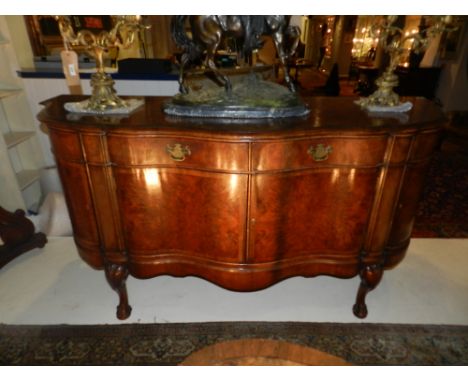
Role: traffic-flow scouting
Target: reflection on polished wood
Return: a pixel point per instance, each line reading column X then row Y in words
column 243, row 205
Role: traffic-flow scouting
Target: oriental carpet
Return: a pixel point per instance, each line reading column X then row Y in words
column 171, row 344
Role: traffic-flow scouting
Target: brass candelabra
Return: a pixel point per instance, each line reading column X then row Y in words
column 122, row 35
column 393, row 40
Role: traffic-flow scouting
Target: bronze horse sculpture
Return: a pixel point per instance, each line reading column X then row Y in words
column 207, row 33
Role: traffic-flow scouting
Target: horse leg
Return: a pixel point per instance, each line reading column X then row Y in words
column 183, row 62
column 278, row 39
column 209, row 62
column 294, row 34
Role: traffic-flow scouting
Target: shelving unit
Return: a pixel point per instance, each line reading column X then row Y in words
column 14, row 138
column 21, row 158
column 8, row 92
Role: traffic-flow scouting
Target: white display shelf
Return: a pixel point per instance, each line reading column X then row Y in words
column 27, row 177
column 8, row 92
column 15, row 138
column 21, row 158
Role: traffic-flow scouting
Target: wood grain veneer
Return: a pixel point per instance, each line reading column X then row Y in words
column 243, row 204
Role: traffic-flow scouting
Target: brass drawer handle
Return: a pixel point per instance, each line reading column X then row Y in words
column 178, row 152
column 320, row 152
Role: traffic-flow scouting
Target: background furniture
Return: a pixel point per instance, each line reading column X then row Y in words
column 17, row 235
column 243, row 204
column 20, row 154
column 421, row 82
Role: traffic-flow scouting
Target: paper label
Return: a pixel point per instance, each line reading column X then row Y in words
column 70, row 68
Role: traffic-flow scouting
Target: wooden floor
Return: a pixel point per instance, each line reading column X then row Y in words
column 261, row 352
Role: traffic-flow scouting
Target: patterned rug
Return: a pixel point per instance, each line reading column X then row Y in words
column 443, row 209
column 171, row 344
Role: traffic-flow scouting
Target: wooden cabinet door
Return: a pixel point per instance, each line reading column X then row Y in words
column 321, row 212
column 178, row 200
column 312, row 197
column 182, row 212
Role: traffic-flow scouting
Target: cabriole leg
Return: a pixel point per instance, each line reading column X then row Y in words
column 116, row 275
column 370, row 278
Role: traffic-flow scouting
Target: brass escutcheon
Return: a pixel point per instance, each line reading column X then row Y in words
column 178, row 152
column 320, row 152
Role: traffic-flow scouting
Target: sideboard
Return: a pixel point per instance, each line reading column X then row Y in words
column 243, row 203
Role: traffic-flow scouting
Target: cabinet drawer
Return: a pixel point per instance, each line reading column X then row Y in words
column 179, row 152
column 305, row 153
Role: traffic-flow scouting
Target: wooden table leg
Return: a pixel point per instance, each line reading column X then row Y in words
column 370, row 278
column 116, row 275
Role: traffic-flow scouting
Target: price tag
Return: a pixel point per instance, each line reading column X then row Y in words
column 70, row 69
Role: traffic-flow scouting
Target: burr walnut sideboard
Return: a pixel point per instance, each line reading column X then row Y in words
column 243, row 204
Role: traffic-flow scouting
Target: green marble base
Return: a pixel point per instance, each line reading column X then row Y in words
column 251, row 97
